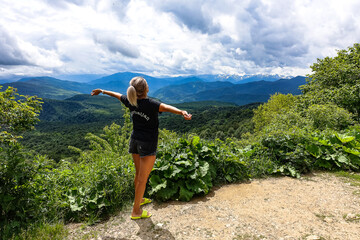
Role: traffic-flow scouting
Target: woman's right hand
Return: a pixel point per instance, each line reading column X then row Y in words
column 96, row 92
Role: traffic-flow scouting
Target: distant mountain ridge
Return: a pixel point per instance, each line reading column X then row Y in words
column 168, row 89
column 240, row 94
column 243, row 78
column 176, row 93
column 45, row 87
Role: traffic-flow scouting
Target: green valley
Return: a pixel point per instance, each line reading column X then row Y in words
column 65, row 123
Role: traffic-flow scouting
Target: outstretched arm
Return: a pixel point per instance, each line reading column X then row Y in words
column 110, row 93
column 168, row 108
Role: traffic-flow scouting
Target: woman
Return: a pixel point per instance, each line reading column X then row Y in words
column 143, row 142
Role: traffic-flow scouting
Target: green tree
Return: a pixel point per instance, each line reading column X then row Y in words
column 336, row 80
column 17, row 114
column 329, row 115
column 278, row 104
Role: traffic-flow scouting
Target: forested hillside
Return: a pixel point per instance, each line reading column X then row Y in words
column 45, row 87
column 65, row 123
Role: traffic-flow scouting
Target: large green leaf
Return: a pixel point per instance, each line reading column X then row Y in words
column 344, row 138
column 168, row 192
column 313, row 150
column 204, row 168
column 162, row 168
column 193, row 175
column 228, row 178
column 343, row 159
column 352, row 151
column 195, row 141
column 322, row 163
column 75, row 207
column 183, row 163
column 157, row 183
column 185, row 194
column 174, row 172
column 195, row 185
column 293, row 172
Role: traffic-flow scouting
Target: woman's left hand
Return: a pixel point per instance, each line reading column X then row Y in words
column 96, row 92
column 186, row 115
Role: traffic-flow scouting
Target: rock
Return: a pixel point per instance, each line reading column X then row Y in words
column 158, row 226
column 328, row 220
column 313, row 237
column 350, row 217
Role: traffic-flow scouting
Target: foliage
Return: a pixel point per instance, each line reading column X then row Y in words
column 17, row 114
column 298, row 151
column 336, row 150
column 182, row 170
column 65, row 123
column 210, row 122
column 188, row 167
column 230, row 163
column 44, row 231
column 329, row 115
column 16, row 172
column 286, row 152
column 100, row 181
column 278, row 104
column 336, row 80
column 191, row 166
column 283, row 112
column 35, row 189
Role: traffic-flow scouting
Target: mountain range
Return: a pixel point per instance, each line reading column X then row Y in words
column 170, row 89
column 240, row 94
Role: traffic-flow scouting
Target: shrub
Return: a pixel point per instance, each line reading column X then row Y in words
column 16, row 174
column 182, row 170
column 188, row 167
column 299, row 151
column 278, row 104
column 286, row 151
column 329, row 115
column 101, row 180
column 17, row 114
column 336, row 150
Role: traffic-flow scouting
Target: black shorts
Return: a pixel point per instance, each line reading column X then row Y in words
column 142, row 148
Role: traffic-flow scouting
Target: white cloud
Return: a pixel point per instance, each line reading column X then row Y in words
column 14, row 51
column 171, row 37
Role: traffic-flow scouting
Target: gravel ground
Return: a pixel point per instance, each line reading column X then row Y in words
column 317, row 206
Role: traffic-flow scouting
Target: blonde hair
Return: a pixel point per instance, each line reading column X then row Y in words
column 137, row 89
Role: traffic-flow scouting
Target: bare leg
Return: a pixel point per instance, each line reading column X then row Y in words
column 136, row 158
column 146, row 165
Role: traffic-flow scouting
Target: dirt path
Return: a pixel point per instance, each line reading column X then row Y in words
column 321, row 206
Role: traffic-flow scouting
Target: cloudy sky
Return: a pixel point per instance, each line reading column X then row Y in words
column 172, row 37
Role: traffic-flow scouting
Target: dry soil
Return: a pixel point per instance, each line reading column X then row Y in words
column 317, row 206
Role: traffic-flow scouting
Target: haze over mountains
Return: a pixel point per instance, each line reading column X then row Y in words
column 236, row 89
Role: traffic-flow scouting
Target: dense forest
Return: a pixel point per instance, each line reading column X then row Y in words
column 40, row 191
column 65, row 123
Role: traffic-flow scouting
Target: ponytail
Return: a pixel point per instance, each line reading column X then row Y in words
column 132, row 96
column 138, row 88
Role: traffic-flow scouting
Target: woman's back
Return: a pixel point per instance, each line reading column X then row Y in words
column 145, row 118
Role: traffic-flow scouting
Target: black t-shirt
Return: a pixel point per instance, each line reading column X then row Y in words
column 145, row 118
